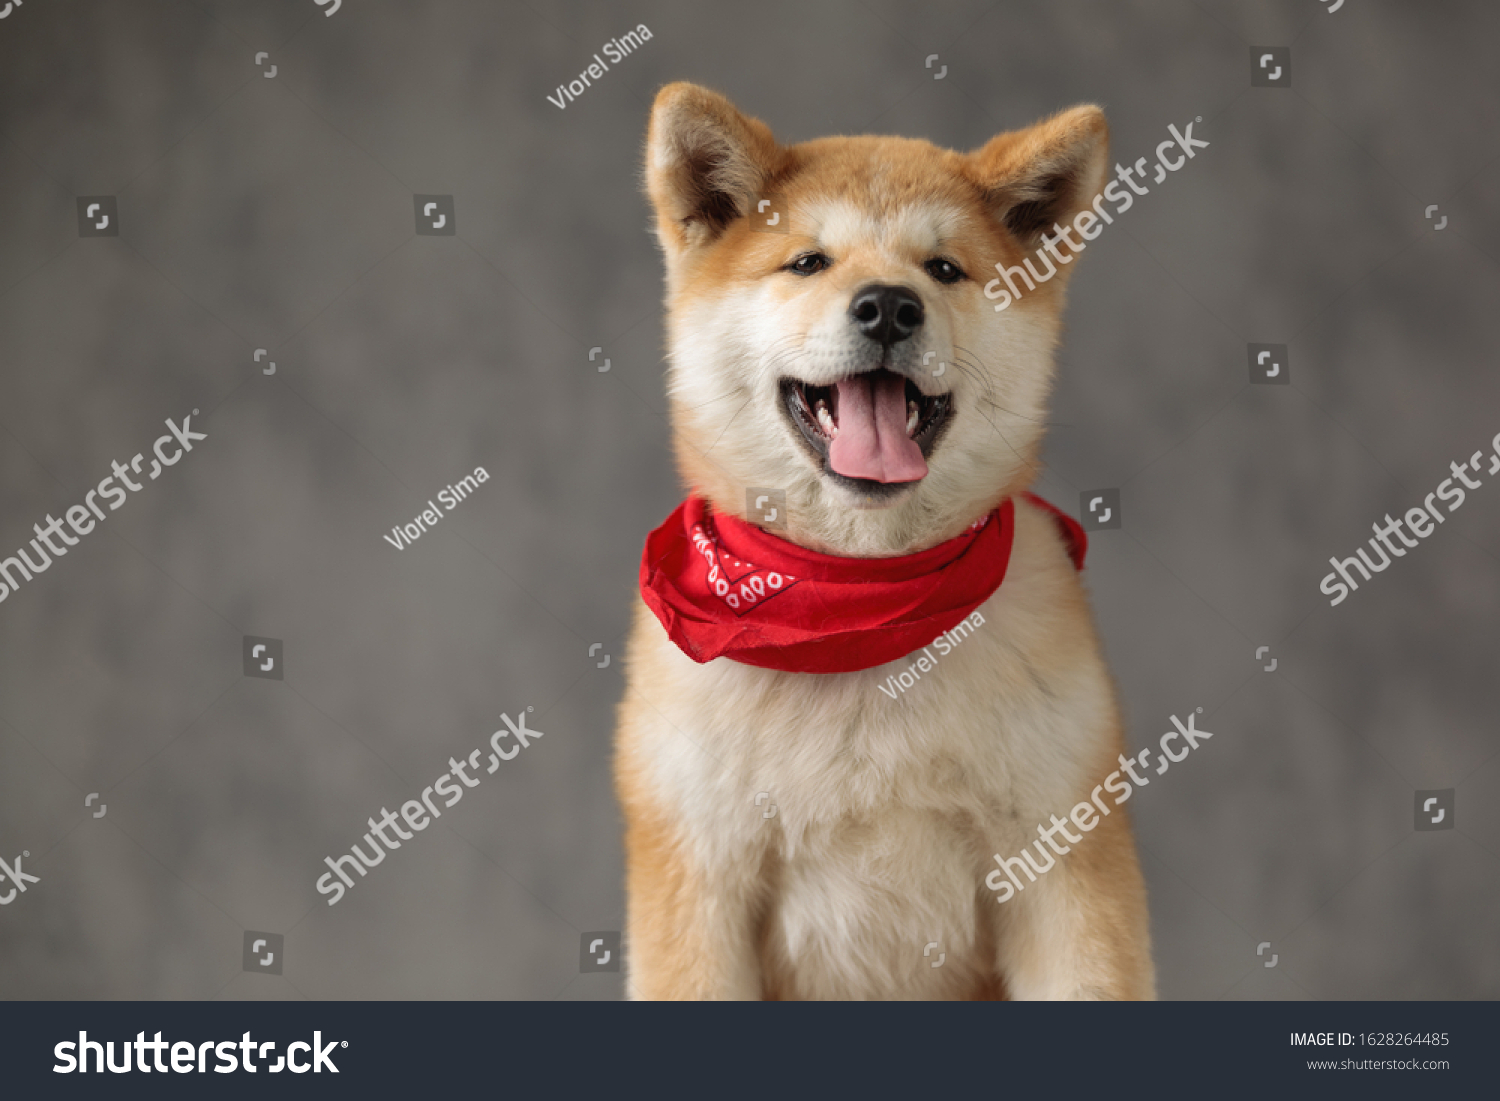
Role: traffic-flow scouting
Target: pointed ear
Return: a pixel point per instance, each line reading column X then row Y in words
column 705, row 163
column 1046, row 173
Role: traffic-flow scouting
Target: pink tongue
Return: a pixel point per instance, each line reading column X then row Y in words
column 872, row 441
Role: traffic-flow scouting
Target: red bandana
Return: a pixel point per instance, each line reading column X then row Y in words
column 725, row 588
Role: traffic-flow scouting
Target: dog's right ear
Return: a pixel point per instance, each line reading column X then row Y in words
column 705, row 163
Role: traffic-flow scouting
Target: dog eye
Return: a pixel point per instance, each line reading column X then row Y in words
column 944, row 271
column 810, row 264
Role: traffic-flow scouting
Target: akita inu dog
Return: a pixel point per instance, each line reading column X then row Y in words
column 793, row 831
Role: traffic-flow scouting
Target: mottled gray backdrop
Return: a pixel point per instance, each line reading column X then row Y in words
column 277, row 212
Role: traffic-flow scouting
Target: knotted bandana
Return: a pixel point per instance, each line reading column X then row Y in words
column 725, row 588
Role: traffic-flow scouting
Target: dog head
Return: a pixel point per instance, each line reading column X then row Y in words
column 836, row 326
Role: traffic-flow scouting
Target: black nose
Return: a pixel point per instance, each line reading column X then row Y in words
column 887, row 314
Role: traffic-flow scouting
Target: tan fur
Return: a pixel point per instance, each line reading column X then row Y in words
column 887, row 812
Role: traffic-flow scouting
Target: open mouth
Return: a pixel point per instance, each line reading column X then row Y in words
column 874, row 429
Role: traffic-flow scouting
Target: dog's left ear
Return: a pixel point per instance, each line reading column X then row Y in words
column 705, row 164
column 1045, row 174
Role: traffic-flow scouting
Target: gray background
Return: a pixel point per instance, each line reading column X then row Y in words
column 277, row 213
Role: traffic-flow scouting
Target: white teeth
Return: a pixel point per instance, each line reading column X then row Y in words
column 825, row 419
column 912, row 414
